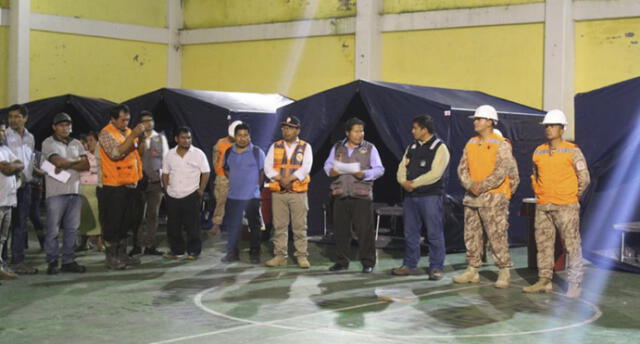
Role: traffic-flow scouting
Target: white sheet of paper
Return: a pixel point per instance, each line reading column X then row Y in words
column 346, row 168
column 48, row 167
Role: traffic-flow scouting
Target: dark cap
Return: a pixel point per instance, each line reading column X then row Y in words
column 61, row 117
column 291, row 121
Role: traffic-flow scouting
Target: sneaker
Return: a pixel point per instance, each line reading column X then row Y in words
column 23, row 269
column 338, row 267
column 191, row 257
column 6, row 273
column 73, row 267
column 405, row 271
column 171, row 256
column 152, row 251
column 435, row 274
column 52, row 268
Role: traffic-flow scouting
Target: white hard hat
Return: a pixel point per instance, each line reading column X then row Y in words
column 555, row 117
column 487, row 112
column 232, row 128
column 497, row 132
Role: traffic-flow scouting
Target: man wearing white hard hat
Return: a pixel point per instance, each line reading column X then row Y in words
column 560, row 177
column 484, row 172
column 221, row 188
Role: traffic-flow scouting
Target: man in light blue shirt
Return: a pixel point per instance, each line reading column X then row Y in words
column 353, row 195
column 243, row 165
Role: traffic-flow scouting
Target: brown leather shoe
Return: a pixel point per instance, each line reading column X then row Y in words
column 405, row 271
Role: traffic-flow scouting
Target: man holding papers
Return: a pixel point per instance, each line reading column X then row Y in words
column 353, row 165
column 63, row 200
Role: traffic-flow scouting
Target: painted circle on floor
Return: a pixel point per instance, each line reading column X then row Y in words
column 387, row 307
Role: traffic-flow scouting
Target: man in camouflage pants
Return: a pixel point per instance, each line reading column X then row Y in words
column 560, row 178
column 488, row 172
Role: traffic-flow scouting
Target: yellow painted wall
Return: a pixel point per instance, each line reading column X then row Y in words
column 216, row 13
column 140, row 12
column 4, row 3
column 270, row 66
column 96, row 67
column 505, row 61
column 4, row 45
column 400, row 6
column 607, row 51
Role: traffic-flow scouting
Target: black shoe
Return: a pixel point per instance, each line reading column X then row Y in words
column 338, row 267
column 435, row 274
column 367, row 269
column 152, row 251
column 230, row 258
column 136, row 250
column 254, row 259
column 73, row 267
column 53, row 268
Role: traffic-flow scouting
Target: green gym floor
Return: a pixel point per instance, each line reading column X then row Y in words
column 205, row 301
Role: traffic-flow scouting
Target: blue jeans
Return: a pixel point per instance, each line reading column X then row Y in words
column 63, row 211
column 233, row 214
column 424, row 211
column 19, row 224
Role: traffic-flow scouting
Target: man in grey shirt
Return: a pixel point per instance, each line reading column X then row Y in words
column 63, row 197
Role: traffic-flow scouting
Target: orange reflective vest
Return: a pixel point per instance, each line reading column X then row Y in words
column 481, row 159
column 557, row 180
column 221, row 148
column 287, row 167
column 127, row 170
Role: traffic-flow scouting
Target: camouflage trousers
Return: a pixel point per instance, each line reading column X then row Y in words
column 566, row 219
column 220, row 192
column 493, row 222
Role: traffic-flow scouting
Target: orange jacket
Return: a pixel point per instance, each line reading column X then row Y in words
column 557, row 180
column 127, row 170
column 481, row 159
column 221, row 148
column 287, row 167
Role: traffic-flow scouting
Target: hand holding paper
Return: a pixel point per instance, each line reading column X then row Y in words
column 50, row 169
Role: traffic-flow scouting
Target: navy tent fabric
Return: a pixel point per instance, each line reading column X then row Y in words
column 205, row 112
column 388, row 110
column 607, row 131
column 88, row 114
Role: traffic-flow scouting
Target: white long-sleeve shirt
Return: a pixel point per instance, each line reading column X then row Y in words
column 301, row 173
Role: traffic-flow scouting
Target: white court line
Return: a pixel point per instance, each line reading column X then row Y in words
column 273, row 323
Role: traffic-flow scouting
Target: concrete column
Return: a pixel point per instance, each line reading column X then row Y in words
column 18, row 81
column 174, row 49
column 368, row 40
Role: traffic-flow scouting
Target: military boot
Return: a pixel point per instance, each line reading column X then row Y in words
column 574, row 291
column 277, row 261
column 504, row 277
column 542, row 286
column 470, row 275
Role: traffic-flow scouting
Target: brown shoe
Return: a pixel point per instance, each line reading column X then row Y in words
column 6, row 273
column 24, row 269
column 276, row 261
column 405, row 271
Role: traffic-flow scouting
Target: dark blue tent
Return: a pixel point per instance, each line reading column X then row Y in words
column 88, row 114
column 608, row 132
column 205, row 112
column 388, row 110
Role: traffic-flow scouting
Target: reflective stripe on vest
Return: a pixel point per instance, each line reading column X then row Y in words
column 221, row 147
column 287, row 166
column 557, row 181
column 481, row 159
column 127, row 170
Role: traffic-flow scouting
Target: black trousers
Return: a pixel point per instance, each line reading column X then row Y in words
column 356, row 212
column 184, row 214
column 117, row 204
column 137, row 212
